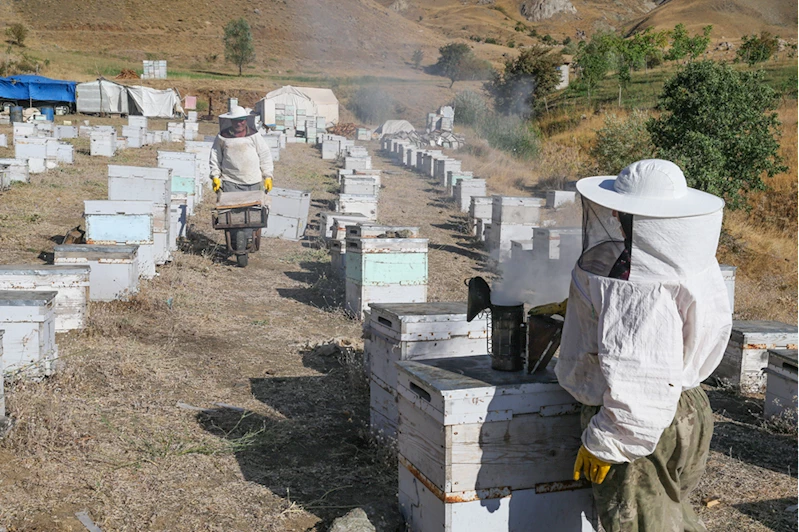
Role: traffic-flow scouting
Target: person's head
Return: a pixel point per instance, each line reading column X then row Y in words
column 237, row 121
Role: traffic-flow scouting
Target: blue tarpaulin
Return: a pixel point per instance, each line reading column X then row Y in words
column 30, row 87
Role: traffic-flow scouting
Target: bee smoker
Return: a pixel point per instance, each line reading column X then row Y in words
column 507, row 326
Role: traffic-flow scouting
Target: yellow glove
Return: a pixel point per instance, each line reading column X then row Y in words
column 216, row 184
column 549, row 309
column 591, row 467
column 268, row 184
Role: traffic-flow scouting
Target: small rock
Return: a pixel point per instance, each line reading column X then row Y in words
column 355, row 520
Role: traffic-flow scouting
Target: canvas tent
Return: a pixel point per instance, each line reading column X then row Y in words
column 103, row 96
column 287, row 95
column 390, row 127
column 29, row 88
column 326, row 103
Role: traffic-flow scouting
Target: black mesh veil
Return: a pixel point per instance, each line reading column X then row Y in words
column 607, row 238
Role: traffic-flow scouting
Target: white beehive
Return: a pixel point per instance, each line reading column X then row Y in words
column 413, row 331
column 203, row 151
column 480, row 209
column 146, row 184
column 521, row 250
column 465, row 189
column 123, row 223
column 363, row 134
column 487, row 450
column 338, row 259
column 358, row 203
column 384, row 270
column 357, row 163
column 114, row 270
column 185, row 176
column 556, row 243
column 3, row 419
column 359, row 185
column 71, row 282
column 178, row 213
column 332, row 225
column 443, row 167
column 728, row 273
column 30, row 147
column 288, row 214
column 15, row 170
column 103, row 143
column 66, row 132
column 137, row 121
column 28, row 319
column 452, row 180
column 781, row 384
column 559, row 198
column 512, row 218
column 746, row 356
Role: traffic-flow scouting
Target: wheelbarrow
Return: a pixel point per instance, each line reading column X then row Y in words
column 241, row 215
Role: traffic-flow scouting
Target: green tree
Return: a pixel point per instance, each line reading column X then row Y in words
column 417, row 58
column 457, row 62
column 683, row 45
column 621, row 142
column 239, row 48
column 17, row 33
column 756, row 49
column 593, row 63
column 719, row 125
column 526, row 80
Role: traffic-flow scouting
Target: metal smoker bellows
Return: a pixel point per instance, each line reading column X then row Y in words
column 506, row 331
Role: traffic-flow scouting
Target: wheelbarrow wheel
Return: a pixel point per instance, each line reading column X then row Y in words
column 242, row 260
column 241, row 248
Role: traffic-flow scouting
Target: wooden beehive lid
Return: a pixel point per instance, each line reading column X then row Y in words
column 96, row 252
column 245, row 198
column 521, row 201
column 421, row 312
column 288, row 193
column 26, row 298
column 43, row 269
column 123, row 207
column 763, row 334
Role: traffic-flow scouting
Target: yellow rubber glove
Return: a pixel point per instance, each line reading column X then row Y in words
column 590, row 466
column 268, row 184
column 216, row 184
column 549, row 309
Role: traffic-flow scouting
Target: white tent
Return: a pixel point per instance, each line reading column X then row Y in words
column 326, row 103
column 391, row 127
column 153, row 102
column 287, row 95
column 101, row 96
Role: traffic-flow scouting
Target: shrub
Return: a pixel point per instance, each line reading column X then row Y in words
column 757, row 49
column 719, row 125
column 17, row 33
column 469, row 107
column 491, row 40
column 417, row 57
column 548, row 39
column 526, row 79
column 621, row 142
column 372, row 105
column 510, row 134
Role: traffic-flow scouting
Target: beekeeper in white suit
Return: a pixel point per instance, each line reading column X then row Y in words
column 648, row 319
column 240, row 158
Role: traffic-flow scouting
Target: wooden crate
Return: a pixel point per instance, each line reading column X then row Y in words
column 114, row 270
column 384, row 270
column 28, row 319
column 70, row 282
column 781, row 384
column 415, row 331
column 746, row 356
column 482, row 442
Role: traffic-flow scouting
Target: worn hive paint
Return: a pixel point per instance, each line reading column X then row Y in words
column 28, row 319
column 114, row 270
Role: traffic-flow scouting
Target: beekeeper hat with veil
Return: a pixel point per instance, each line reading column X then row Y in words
column 237, row 114
column 648, row 313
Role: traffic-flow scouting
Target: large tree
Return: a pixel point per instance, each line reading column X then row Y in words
column 239, row 48
column 721, row 127
column 457, row 62
column 525, row 81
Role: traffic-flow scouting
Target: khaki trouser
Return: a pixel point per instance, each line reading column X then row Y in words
column 651, row 493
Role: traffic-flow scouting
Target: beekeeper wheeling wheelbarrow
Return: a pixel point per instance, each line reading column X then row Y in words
column 647, row 320
column 241, row 171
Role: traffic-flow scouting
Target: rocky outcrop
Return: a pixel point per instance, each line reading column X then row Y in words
column 537, row 10
column 399, row 5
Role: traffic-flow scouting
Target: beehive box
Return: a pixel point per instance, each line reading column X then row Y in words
column 335, row 224
column 413, row 331
column 559, row 198
column 359, row 185
column 487, row 450
column 443, row 166
column 31, row 147
column 137, row 121
column 103, row 143
column 288, row 214
column 330, row 150
column 66, row 132
column 123, row 223
column 15, row 170
column 338, row 259
column 65, row 153
column 202, row 150
column 3, row 418
column 781, row 384
column 357, row 163
column 371, row 230
column 516, row 210
column 521, row 250
column 453, row 176
column 113, row 270
column 466, row 189
column 358, row 203
column 746, row 356
column 70, row 282
column 554, row 243
column 480, row 209
column 728, row 273
column 384, row 270
column 184, row 171
column 28, row 319
column 178, row 214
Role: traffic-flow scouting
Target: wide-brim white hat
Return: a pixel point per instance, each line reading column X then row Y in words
column 652, row 187
column 236, row 112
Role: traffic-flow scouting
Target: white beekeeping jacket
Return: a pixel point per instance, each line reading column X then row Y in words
column 633, row 346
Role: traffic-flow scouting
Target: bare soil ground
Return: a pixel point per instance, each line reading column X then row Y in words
column 282, row 440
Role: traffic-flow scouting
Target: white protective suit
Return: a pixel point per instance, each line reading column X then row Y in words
column 632, row 346
column 240, row 160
